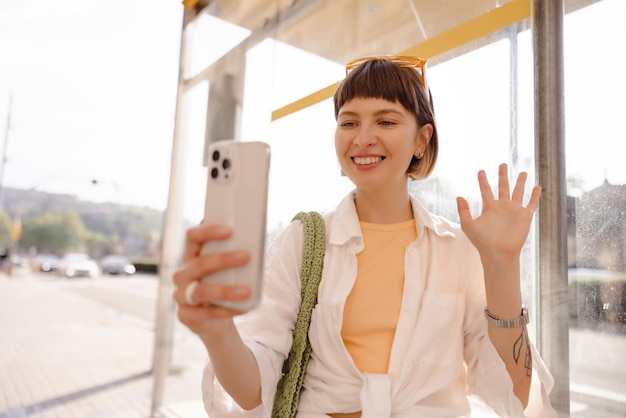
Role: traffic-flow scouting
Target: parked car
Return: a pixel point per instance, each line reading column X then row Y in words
column 5, row 260
column 77, row 265
column 116, row 264
column 45, row 262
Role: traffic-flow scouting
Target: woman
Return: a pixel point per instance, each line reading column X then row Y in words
column 414, row 312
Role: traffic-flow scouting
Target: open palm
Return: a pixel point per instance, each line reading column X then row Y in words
column 502, row 227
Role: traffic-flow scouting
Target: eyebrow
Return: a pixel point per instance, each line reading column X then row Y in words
column 377, row 113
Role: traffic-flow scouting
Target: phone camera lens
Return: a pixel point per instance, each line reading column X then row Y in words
column 216, row 155
column 215, row 172
column 226, row 164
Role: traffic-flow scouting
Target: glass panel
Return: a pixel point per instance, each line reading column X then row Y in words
column 202, row 46
column 290, row 74
column 474, row 122
column 471, row 98
column 481, row 126
column 304, row 174
column 596, row 207
column 342, row 30
column 187, row 354
column 195, row 174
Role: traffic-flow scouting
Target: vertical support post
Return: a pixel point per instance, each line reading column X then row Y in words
column 3, row 157
column 225, row 100
column 513, row 33
column 172, row 242
column 553, row 336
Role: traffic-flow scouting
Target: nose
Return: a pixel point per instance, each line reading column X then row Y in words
column 365, row 137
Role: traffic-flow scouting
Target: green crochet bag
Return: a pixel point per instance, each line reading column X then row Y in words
column 288, row 389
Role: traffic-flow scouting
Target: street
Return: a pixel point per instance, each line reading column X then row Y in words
column 86, row 345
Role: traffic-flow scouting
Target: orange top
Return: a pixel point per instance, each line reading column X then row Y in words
column 372, row 308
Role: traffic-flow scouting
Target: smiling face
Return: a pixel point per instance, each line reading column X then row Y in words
column 402, row 88
column 375, row 141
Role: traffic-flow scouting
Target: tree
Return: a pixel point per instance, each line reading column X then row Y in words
column 54, row 232
column 108, row 228
column 5, row 230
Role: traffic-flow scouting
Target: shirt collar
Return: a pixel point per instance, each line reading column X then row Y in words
column 344, row 222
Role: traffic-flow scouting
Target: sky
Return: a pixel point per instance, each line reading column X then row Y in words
column 90, row 86
column 93, row 87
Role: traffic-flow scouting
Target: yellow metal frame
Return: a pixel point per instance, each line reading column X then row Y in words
column 473, row 29
column 190, row 4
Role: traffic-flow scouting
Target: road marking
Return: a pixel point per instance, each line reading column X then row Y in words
column 597, row 392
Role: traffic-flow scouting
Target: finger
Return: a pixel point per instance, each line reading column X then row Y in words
column 462, row 207
column 204, row 265
column 201, row 267
column 210, row 263
column 520, row 186
column 209, row 293
column 196, row 236
column 533, row 202
column 503, row 182
column 485, row 188
column 205, row 293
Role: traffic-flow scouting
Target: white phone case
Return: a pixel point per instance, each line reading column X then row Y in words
column 236, row 196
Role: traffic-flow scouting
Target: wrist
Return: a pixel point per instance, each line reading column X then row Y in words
column 517, row 322
column 502, row 284
column 500, row 261
column 217, row 332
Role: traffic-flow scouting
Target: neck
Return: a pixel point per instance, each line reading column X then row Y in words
column 383, row 207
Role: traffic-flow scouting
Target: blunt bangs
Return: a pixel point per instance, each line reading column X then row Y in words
column 380, row 79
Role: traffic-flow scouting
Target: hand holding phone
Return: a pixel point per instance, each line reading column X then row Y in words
column 236, row 196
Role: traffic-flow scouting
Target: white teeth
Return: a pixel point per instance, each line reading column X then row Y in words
column 367, row 160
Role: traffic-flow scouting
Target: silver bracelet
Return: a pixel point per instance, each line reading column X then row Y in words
column 512, row 323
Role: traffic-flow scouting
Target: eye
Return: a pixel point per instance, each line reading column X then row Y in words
column 387, row 123
column 347, row 124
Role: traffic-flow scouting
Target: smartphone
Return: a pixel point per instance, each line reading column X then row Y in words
column 236, row 196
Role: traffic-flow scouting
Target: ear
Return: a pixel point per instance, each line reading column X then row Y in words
column 424, row 134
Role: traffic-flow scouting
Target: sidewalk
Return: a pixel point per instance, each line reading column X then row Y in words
column 63, row 354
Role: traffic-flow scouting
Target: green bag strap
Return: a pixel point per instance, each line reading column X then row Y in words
column 288, row 389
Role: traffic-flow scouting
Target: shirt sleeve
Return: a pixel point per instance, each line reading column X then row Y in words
column 266, row 330
column 487, row 377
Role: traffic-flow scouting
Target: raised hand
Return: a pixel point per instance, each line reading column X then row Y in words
column 502, row 227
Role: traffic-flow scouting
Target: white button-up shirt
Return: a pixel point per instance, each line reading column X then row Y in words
column 441, row 351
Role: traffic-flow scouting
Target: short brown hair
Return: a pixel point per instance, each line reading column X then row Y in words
column 382, row 79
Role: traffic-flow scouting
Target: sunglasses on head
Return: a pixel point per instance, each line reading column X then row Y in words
column 400, row 60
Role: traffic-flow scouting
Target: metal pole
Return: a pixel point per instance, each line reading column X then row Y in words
column 3, row 158
column 172, row 243
column 553, row 336
column 513, row 33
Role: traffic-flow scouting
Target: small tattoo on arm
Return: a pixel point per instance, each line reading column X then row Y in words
column 522, row 343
